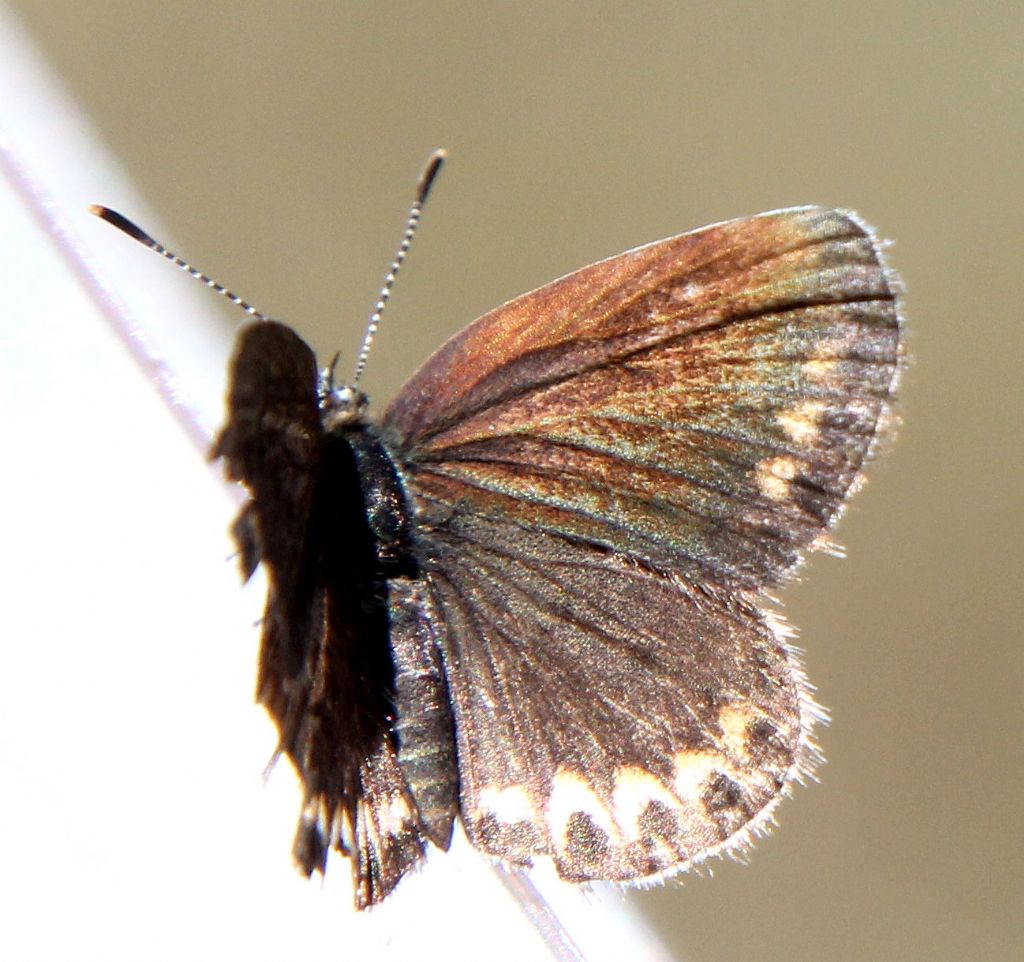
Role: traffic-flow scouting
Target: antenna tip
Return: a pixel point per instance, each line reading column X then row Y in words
column 122, row 223
column 437, row 158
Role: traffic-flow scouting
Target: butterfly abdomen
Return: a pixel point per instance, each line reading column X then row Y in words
column 422, row 725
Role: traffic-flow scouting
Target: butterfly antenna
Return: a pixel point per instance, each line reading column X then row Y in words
column 137, row 233
column 426, row 182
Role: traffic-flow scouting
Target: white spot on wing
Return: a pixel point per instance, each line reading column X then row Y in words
column 394, row 817
column 692, row 772
column 733, row 720
column 571, row 793
column 507, row 805
column 774, row 476
column 801, row 422
column 635, row 789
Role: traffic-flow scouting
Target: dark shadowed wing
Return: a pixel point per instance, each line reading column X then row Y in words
column 273, row 443
column 607, row 472
column 337, row 657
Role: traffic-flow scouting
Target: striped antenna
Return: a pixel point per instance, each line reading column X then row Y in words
column 426, row 182
column 134, row 231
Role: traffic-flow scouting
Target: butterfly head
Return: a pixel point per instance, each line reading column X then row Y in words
column 339, row 404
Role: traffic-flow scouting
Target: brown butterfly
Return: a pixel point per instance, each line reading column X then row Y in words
column 530, row 595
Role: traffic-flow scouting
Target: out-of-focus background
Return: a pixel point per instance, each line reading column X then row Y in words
column 279, row 145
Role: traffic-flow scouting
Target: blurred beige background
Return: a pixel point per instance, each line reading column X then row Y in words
column 280, row 144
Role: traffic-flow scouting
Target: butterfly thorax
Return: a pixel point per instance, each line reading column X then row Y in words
column 371, row 472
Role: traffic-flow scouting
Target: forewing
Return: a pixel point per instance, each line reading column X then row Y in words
column 703, row 403
column 607, row 714
column 272, row 443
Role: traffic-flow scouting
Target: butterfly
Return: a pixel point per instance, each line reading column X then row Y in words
column 531, row 595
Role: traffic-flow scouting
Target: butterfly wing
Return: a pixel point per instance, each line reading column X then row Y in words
column 608, row 470
column 273, row 443
column 704, row 403
column 608, row 714
column 327, row 675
